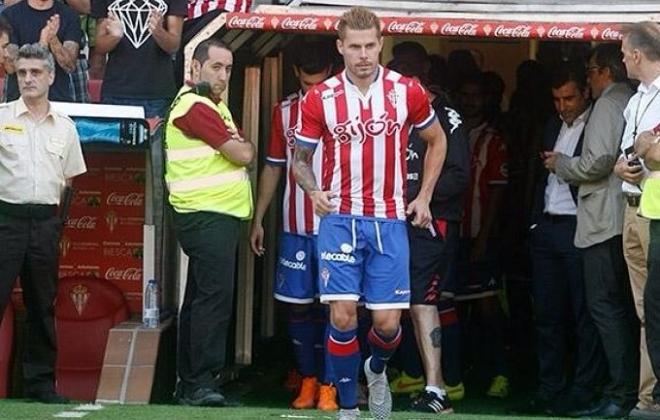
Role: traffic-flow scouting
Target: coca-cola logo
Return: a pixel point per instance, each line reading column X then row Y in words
column 252, row 22
column 130, row 274
column 304, row 24
column 520, row 31
column 412, row 27
column 127, row 200
column 574, row 32
column 466, row 29
column 611, row 34
column 84, row 222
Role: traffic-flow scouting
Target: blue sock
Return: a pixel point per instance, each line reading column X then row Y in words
column 328, row 374
column 320, row 338
column 344, row 356
column 301, row 333
column 382, row 348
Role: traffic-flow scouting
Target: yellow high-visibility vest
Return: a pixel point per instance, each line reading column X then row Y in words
column 649, row 205
column 199, row 177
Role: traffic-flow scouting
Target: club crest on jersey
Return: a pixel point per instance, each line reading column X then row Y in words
column 356, row 130
column 290, row 136
column 392, row 96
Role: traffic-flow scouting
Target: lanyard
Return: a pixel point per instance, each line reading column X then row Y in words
column 646, row 108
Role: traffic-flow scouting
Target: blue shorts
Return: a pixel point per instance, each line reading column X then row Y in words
column 297, row 269
column 364, row 258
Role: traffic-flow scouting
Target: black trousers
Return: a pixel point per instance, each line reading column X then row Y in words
column 30, row 248
column 210, row 241
column 561, row 310
column 610, row 302
column 652, row 303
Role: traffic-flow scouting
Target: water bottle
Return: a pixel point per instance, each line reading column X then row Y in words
column 151, row 313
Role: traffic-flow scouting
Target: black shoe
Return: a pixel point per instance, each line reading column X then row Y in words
column 204, row 397
column 603, row 408
column 429, row 402
column 48, row 398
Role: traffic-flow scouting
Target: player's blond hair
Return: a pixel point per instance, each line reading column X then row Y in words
column 358, row 18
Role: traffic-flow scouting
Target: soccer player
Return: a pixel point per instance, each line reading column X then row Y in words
column 362, row 117
column 297, row 274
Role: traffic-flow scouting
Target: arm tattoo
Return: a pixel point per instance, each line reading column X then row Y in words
column 302, row 169
column 436, row 337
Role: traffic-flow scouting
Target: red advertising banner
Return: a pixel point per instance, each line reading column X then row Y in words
column 582, row 31
column 103, row 235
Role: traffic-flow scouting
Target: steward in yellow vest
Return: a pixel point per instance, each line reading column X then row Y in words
column 206, row 175
column 200, row 177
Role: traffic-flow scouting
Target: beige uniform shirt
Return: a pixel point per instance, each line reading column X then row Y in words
column 36, row 158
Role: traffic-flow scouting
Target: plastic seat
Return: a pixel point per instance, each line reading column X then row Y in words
column 85, row 311
column 6, row 346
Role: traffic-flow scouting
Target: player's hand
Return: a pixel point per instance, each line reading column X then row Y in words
column 321, row 202
column 114, row 26
column 235, row 134
column 257, row 239
column 420, row 208
column 630, row 174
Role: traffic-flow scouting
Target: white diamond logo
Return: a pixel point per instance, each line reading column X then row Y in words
column 134, row 15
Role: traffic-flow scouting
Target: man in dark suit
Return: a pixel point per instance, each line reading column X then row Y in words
column 600, row 214
column 558, row 284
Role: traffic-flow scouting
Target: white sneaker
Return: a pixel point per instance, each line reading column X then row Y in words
column 348, row 414
column 380, row 398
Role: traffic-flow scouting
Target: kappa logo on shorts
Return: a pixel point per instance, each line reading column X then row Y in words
column 401, row 292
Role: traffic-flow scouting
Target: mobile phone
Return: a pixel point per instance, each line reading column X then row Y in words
column 630, row 156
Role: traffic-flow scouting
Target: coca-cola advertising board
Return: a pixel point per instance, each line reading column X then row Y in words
column 103, row 234
column 390, row 25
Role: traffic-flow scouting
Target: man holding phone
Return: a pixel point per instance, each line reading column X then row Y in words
column 640, row 56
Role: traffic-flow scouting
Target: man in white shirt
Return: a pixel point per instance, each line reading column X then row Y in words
column 641, row 56
column 39, row 155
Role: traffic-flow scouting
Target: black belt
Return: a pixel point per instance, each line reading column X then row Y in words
column 559, row 218
column 28, row 211
column 633, row 199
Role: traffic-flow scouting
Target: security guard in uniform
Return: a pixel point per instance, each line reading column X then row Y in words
column 209, row 189
column 39, row 155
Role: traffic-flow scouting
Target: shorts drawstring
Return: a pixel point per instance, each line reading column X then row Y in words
column 380, row 243
column 353, row 231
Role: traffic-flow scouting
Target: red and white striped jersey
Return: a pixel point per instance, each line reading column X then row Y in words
column 298, row 212
column 197, row 8
column 364, row 139
column 488, row 167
